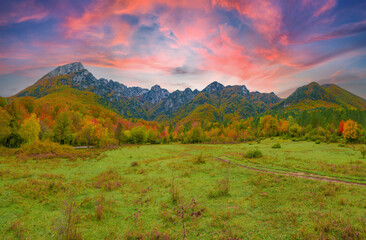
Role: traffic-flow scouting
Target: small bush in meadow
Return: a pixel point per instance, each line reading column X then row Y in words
column 276, row 145
column 174, row 192
column 363, row 152
column 200, row 159
column 109, row 180
column 48, row 149
column 99, row 212
column 253, row 154
column 100, row 207
column 341, row 145
column 45, row 149
column 317, row 142
column 40, row 189
column 221, row 189
column 18, row 229
column 66, row 227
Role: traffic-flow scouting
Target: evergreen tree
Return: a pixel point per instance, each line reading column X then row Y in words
column 119, row 133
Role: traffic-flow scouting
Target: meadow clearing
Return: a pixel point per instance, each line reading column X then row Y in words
column 182, row 191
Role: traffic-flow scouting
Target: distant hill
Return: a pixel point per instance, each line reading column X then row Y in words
column 314, row 95
column 226, row 103
column 343, row 96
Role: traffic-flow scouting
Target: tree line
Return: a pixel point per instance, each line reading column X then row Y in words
column 24, row 120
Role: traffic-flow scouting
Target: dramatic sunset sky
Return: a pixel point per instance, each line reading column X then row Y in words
column 267, row 45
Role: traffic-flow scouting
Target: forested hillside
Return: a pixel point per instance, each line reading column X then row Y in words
column 70, row 106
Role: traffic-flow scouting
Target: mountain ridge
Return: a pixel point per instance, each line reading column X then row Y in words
column 158, row 103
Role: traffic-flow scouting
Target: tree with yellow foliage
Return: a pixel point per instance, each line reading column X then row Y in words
column 5, row 118
column 351, row 130
column 30, row 129
column 269, row 125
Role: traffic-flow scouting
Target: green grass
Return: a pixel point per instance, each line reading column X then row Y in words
column 115, row 199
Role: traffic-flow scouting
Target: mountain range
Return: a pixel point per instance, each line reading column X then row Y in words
column 216, row 102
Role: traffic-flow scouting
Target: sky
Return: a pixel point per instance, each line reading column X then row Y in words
column 267, row 45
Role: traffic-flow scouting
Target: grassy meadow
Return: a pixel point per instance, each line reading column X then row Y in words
column 182, row 191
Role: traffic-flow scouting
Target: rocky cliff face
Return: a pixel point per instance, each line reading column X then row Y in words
column 155, row 95
column 82, row 79
column 175, row 100
column 245, row 90
column 66, row 69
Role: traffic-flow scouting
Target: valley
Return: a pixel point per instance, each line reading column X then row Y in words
column 168, row 120
column 168, row 191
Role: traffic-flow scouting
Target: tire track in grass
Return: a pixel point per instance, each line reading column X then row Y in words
column 293, row 174
column 290, row 174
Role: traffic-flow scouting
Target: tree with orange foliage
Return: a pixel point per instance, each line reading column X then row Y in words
column 284, row 126
column 351, row 130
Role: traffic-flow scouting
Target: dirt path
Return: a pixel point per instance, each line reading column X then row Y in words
column 290, row 174
column 294, row 174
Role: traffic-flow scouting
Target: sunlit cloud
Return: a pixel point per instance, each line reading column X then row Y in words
column 265, row 44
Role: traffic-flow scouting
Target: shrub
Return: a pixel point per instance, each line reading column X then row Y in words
column 200, row 159
column 317, row 142
column 363, row 152
column 221, row 189
column 47, row 149
column 253, row 154
column 66, row 226
column 18, row 229
column 100, row 208
column 341, row 145
column 109, row 180
column 276, row 145
column 38, row 148
column 40, row 189
column 174, row 191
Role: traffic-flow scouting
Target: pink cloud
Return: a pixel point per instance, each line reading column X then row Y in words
column 25, row 11
column 186, row 33
column 327, row 6
column 265, row 15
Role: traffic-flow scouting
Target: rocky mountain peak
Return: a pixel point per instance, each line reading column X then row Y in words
column 155, row 88
column 245, row 90
column 66, row 69
column 156, row 94
column 214, row 86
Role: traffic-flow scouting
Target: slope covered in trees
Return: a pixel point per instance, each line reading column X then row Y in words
column 156, row 103
column 314, row 96
column 56, row 109
column 346, row 98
